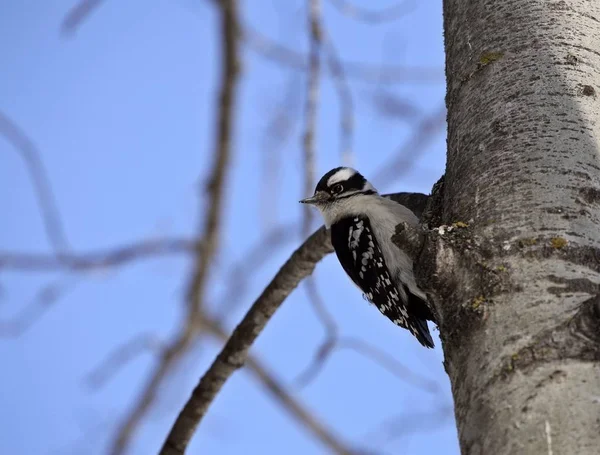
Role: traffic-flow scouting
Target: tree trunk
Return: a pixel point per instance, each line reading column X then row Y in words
column 518, row 289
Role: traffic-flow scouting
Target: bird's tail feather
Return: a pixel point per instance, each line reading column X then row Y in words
column 422, row 333
column 420, row 314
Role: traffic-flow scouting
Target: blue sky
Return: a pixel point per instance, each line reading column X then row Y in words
column 123, row 116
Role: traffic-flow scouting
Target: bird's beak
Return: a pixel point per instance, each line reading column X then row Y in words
column 316, row 199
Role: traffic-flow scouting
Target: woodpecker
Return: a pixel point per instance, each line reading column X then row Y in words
column 361, row 224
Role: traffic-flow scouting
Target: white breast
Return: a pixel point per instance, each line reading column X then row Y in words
column 384, row 215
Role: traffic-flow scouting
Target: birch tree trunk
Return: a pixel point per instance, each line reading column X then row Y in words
column 519, row 288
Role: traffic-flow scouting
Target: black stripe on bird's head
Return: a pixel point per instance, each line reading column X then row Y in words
column 339, row 183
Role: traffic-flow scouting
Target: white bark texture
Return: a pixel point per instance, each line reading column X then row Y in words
column 519, row 288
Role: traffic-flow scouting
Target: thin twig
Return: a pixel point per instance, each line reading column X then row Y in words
column 77, row 14
column 44, row 299
column 289, row 57
column 398, row 426
column 225, row 120
column 324, row 316
column 366, row 72
column 363, row 348
column 316, row 366
column 275, row 388
column 345, row 96
column 96, row 260
column 315, row 34
column 326, row 319
column 392, row 107
column 391, row 13
column 170, row 356
column 408, row 154
column 43, row 190
column 122, row 356
column 278, row 130
column 242, row 271
column 389, row 363
column 234, row 353
column 310, row 110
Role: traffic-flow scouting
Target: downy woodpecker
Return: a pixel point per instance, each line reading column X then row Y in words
column 361, row 223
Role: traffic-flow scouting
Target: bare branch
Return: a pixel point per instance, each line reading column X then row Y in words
column 243, row 269
column 316, row 33
column 316, row 366
column 345, row 95
column 409, row 152
column 280, row 54
column 120, row 357
column 398, row 426
column 170, row 356
column 390, row 13
column 45, row 298
column 77, row 14
column 392, row 107
column 97, row 260
column 331, row 331
column 41, row 183
column 319, row 306
column 366, row 72
column 310, row 112
column 234, row 353
column 276, row 389
column 389, row 363
column 279, row 392
column 226, row 101
column 278, row 130
column 386, row 361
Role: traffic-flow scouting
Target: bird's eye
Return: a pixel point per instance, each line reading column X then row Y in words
column 337, row 188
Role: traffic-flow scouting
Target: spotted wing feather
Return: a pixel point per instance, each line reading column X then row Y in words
column 360, row 255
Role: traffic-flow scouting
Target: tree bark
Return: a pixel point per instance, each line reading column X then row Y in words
column 517, row 279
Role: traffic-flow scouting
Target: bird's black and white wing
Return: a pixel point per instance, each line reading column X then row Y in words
column 360, row 255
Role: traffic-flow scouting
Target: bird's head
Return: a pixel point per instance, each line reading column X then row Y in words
column 337, row 188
